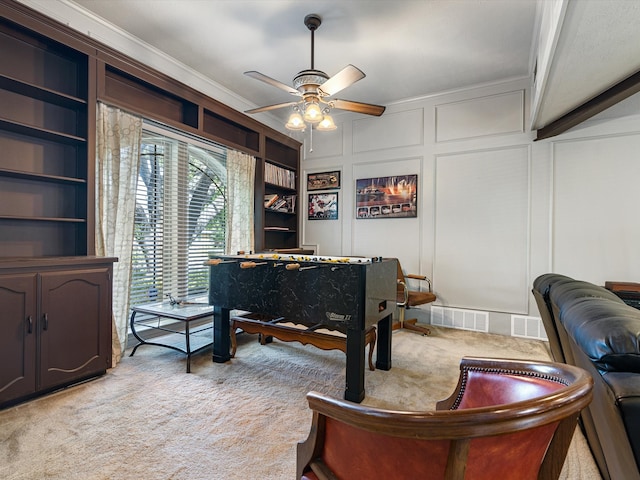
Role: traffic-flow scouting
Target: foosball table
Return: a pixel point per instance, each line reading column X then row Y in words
column 344, row 294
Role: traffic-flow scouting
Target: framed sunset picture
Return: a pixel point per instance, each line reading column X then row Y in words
column 387, row 197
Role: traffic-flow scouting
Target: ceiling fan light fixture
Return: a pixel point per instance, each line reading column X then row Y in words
column 313, row 88
column 295, row 122
column 312, row 113
column 327, row 124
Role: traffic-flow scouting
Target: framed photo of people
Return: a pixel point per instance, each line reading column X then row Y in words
column 323, row 206
column 387, row 197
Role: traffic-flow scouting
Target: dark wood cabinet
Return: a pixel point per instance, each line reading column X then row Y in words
column 55, row 323
column 75, row 336
column 17, row 335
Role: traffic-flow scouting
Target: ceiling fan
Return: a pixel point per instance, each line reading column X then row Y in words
column 315, row 87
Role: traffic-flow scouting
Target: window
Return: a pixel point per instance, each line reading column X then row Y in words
column 180, row 216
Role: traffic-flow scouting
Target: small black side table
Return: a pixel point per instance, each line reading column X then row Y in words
column 186, row 313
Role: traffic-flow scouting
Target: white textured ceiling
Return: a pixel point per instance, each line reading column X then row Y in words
column 599, row 47
column 407, row 48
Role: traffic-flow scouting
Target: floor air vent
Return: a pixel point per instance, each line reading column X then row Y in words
column 527, row 327
column 475, row 320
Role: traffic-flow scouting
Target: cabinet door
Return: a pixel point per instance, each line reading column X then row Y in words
column 17, row 336
column 75, row 325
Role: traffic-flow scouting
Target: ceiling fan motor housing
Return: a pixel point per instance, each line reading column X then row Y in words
column 308, row 81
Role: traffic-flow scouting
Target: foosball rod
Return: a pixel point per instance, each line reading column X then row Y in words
column 218, row 261
column 252, row 264
column 297, row 266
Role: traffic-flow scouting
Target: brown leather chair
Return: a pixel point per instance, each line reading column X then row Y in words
column 406, row 298
column 506, row 419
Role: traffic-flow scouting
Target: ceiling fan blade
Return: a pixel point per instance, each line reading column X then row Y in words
column 341, row 80
column 272, row 82
column 270, row 107
column 366, row 108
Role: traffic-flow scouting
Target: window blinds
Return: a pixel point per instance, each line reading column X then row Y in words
column 180, row 216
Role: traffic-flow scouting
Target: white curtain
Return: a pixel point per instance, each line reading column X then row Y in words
column 240, row 197
column 117, row 164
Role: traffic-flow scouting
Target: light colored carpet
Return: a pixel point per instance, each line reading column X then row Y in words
column 149, row 420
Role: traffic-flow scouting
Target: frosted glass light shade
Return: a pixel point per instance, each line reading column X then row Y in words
column 326, row 125
column 312, row 113
column 295, row 122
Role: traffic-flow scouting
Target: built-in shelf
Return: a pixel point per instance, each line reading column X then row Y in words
column 280, row 187
column 40, row 93
column 230, row 131
column 279, row 212
column 39, row 177
column 278, row 229
column 281, row 178
column 42, row 219
column 43, row 133
column 45, row 177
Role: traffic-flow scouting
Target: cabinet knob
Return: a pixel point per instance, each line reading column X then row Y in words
column 45, row 324
column 30, row 319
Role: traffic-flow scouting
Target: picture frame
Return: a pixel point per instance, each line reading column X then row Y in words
column 387, row 197
column 322, row 206
column 323, row 181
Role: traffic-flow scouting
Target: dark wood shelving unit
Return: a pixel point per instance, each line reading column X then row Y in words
column 55, row 296
column 44, row 172
column 284, row 158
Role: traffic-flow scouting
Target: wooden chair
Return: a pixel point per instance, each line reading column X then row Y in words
column 506, row 419
column 406, row 298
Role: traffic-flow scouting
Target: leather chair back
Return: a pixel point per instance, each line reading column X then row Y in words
column 506, row 419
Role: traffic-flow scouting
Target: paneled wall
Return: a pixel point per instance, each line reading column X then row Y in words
column 595, row 202
column 495, row 209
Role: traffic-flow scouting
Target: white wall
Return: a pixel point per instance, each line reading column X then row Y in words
column 496, row 209
column 595, row 231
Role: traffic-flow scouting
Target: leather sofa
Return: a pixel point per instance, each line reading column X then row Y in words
column 591, row 327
